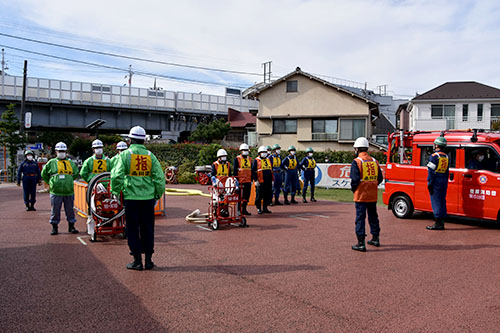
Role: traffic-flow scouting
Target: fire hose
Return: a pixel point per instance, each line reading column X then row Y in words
column 196, row 217
column 90, row 189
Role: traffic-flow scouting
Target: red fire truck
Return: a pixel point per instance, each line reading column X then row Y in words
column 473, row 187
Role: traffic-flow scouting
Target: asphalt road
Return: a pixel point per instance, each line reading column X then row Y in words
column 291, row 271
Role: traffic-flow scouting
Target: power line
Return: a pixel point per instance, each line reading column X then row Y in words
column 128, row 57
column 142, row 73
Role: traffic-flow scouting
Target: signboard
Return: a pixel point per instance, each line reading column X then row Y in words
column 27, row 120
column 37, row 146
column 336, row 175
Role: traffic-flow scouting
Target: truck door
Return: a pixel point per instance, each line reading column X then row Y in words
column 480, row 183
column 422, row 197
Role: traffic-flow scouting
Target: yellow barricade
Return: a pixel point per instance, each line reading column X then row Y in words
column 81, row 207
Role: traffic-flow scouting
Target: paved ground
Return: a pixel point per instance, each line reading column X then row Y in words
column 287, row 272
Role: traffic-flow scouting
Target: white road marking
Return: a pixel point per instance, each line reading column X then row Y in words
column 204, row 228
column 81, row 240
column 298, row 217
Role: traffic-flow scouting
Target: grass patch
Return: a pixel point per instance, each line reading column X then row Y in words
column 340, row 194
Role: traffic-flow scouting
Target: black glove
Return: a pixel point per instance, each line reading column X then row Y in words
column 431, row 189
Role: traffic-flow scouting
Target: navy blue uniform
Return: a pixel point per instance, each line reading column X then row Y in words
column 291, row 176
column 437, row 182
column 277, row 171
column 29, row 173
column 308, row 164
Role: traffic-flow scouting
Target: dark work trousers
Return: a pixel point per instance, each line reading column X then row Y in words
column 438, row 199
column 291, row 180
column 309, row 179
column 29, row 189
column 361, row 209
column 246, row 189
column 278, row 182
column 263, row 195
column 140, row 218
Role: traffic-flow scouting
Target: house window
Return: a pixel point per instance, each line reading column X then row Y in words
column 465, row 112
column 480, row 112
column 292, row 86
column 284, row 126
column 351, row 129
column 442, row 111
column 325, row 129
column 495, row 111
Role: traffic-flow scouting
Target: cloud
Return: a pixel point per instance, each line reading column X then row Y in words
column 409, row 45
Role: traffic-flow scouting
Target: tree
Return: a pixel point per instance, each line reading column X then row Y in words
column 214, row 131
column 50, row 138
column 81, row 147
column 11, row 138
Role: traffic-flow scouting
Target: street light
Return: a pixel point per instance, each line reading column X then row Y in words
column 95, row 125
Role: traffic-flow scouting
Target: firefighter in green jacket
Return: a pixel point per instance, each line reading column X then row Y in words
column 60, row 173
column 95, row 164
column 139, row 175
column 120, row 147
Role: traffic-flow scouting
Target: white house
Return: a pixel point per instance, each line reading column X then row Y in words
column 455, row 105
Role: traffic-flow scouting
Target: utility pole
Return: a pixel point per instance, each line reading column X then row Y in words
column 267, row 71
column 23, row 100
column 3, row 70
column 130, row 74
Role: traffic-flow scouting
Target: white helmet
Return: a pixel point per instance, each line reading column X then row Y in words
column 244, row 146
column 361, row 142
column 61, row 146
column 262, row 149
column 221, row 152
column 137, row 132
column 121, row 145
column 97, row 144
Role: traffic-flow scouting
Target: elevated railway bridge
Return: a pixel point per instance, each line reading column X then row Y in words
column 70, row 106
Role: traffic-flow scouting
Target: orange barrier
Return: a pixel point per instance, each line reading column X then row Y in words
column 81, row 206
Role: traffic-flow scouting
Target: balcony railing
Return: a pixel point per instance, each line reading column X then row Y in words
column 325, row 136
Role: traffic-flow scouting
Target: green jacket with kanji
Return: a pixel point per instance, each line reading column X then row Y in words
column 138, row 174
column 94, row 166
column 60, row 174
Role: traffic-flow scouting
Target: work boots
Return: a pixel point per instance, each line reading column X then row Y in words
column 265, row 210
column 148, row 263
column 286, row 200
column 360, row 246
column 28, row 208
column 293, row 199
column 32, row 207
column 137, row 263
column 375, row 241
column 277, row 202
column 54, row 229
column 439, row 225
column 304, row 198
column 313, row 200
column 71, row 228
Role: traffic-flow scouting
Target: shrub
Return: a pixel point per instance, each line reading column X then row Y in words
column 187, row 178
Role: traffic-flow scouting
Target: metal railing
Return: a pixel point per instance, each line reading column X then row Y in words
column 82, row 93
column 325, row 136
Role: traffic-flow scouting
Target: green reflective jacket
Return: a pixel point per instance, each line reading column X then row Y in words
column 94, row 166
column 114, row 160
column 138, row 175
column 60, row 174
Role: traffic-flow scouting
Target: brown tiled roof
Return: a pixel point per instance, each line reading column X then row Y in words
column 460, row 90
column 240, row 119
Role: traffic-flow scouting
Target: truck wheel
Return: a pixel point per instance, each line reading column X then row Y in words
column 402, row 207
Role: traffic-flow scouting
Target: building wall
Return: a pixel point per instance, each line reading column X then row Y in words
column 313, row 99
column 421, row 116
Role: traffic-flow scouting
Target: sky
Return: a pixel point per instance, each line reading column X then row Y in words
column 410, row 46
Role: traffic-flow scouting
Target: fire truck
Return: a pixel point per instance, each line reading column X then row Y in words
column 473, row 185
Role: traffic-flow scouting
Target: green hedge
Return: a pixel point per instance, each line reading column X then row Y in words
column 187, row 155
